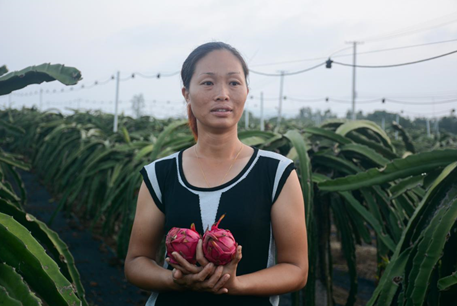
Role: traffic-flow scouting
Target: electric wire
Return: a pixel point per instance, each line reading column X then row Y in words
column 358, row 53
column 420, row 103
column 288, row 73
column 413, row 29
column 395, row 65
column 399, row 48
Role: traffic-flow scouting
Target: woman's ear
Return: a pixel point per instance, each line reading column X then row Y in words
column 185, row 94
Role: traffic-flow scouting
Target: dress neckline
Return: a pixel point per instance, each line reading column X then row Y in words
column 236, row 178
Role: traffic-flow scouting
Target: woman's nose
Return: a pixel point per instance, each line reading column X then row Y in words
column 222, row 93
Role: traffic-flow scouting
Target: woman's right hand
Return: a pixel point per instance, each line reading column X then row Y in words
column 207, row 277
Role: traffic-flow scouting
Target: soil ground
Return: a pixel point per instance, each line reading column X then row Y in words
column 102, row 272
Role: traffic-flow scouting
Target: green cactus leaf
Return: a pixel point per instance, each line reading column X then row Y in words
column 125, row 134
column 6, row 299
column 369, row 218
column 8, row 194
column 405, row 204
column 143, row 152
column 158, row 145
column 445, row 282
column 253, row 141
column 317, row 177
column 305, row 172
column 18, row 183
column 335, row 163
column 373, row 207
column 391, row 279
column 430, row 250
column 20, row 250
column 16, row 288
column 12, row 129
column 443, row 185
column 405, row 185
column 360, row 139
column 11, row 160
column 365, row 152
column 436, row 194
column 3, row 70
column 347, row 245
column 409, row 145
column 327, row 134
column 333, row 123
column 305, row 168
column 38, row 74
column 399, row 168
column 368, row 125
column 266, row 136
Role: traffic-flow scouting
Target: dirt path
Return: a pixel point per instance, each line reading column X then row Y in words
column 101, row 274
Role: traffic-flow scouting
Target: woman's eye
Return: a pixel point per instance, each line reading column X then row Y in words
column 208, row 83
column 234, row 83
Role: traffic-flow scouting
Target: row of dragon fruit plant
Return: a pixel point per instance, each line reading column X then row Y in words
column 350, row 173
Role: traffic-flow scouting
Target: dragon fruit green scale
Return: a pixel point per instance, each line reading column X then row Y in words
column 219, row 245
column 183, row 241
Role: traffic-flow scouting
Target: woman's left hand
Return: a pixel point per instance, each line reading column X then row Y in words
column 228, row 276
column 233, row 283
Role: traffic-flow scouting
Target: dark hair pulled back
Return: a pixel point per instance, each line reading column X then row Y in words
column 188, row 69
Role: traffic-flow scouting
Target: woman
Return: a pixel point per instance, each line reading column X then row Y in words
column 259, row 192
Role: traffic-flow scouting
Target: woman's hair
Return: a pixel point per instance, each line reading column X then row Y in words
column 188, row 69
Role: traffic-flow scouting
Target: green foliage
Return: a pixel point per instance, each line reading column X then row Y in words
column 23, row 252
column 23, row 260
column 38, row 74
column 422, row 245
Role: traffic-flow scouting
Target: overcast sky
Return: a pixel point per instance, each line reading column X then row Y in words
column 149, row 37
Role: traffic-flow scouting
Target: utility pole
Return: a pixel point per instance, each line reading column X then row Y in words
column 262, row 123
column 398, row 122
column 354, row 43
column 437, row 127
column 41, row 99
column 428, row 128
column 116, row 102
column 280, row 100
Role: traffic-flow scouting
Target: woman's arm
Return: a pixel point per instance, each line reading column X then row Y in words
column 141, row 268
column 289, row 230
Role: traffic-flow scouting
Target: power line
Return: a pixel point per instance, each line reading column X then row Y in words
column 413, row 29
column 359, row 53
column 399, row 48
column 422, row 103
column 396, row 65
column 289, row 73
column 157, row 75
column 305, row 100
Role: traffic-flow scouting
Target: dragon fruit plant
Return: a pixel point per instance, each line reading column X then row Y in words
column 183, row 241
column 219, row 245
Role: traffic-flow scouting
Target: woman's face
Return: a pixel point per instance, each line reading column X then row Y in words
column 218, row 90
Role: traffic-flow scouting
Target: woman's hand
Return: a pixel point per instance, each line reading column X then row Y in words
column 233, row 284
column 207, row 277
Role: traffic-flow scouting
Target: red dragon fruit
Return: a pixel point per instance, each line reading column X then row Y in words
column 219, row 245
column 183, row 241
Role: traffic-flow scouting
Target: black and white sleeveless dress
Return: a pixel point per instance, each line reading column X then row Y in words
column 246, row 201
